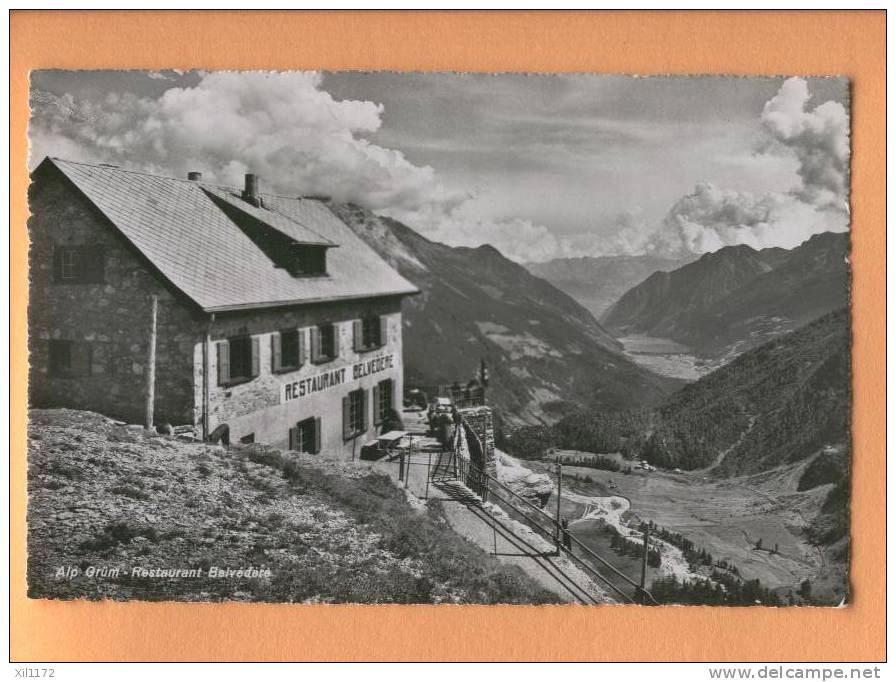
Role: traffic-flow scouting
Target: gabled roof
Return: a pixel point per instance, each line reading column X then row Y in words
column 177, row 226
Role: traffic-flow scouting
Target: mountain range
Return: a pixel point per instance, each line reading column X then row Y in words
column 598, row 282
column 736, row 298
column 545, row 352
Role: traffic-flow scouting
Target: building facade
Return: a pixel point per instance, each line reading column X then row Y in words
column 273, row 321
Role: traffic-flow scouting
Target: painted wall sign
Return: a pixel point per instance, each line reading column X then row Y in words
column 377, row 364
column 335, row 377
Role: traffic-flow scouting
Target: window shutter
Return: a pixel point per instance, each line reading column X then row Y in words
column 256, row 357
column 377, row 414
column 365, row 409
column 384, row 330
column 301, row 347
column 335, row 341
column 316, row 436
column 346, row 417
column 315, row 344
column 294, row 438
column 390, row 386
column 276, row 352
column 358, row 335
column 223, row 362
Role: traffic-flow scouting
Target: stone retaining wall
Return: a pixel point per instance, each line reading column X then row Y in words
column 481, row 420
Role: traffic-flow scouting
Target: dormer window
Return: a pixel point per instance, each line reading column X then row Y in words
column 308, row 261
column 288, row 242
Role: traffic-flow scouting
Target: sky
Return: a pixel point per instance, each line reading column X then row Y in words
column 539, row 166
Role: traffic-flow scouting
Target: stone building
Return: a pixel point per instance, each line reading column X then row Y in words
column 272, row 317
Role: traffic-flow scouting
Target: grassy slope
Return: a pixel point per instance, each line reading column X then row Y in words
column 106, row 496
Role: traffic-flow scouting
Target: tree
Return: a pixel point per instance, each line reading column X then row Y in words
column 806, row 589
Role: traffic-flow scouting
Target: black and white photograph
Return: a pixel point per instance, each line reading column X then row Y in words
column 347, row 337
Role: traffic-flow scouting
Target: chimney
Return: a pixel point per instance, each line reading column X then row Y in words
column 252, row 192
column 195, row 176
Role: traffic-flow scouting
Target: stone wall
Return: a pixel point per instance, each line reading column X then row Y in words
column 481, row 421
column 256, row 406
column 113, row 317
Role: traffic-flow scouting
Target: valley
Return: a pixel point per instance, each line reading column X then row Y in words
column 749, row 464
column 728, row 518
column 547, row 355
column 664, row 357
column 728, row 373
column 737, row 298
column 598, row 282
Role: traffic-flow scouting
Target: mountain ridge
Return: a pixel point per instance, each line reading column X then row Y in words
column 599, row 281
column 545, row 352
column 736, row 298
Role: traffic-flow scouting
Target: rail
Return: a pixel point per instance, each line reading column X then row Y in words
column 490, row 489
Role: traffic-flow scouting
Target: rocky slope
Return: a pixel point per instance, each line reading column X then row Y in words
column 597, row 283
column 737, row 298
column 106, row 498
column 546, row 353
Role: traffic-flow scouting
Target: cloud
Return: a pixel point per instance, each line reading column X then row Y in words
column 282, row 126
column 526, row 241
column 710, row 218
column 301, row 140
column 819, row 138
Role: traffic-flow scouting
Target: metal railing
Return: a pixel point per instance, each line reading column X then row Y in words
column 518, row 508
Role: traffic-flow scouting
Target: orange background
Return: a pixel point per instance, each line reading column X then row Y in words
column 798, row 43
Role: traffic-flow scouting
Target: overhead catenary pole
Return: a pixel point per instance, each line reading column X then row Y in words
column 644, row 556
column 483, row 377
column 151, row 365
column 559, row 494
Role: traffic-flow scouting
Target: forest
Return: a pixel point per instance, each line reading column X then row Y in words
column 776, row 404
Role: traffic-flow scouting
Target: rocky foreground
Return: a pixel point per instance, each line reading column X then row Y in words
column 120, row 513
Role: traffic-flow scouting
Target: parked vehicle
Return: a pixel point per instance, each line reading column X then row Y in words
column 437, row 408
column 415, row 399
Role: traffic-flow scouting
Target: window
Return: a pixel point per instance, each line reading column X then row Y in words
column 241, row 358
column 237, row 360
column 248, row 439
column 286, row 350
column 305, row 437
column 309, row 261
column 79, row 264
column 70, row 358
column 354, row 413
column 369, row 332
column 324, row 343
column 382, row 400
